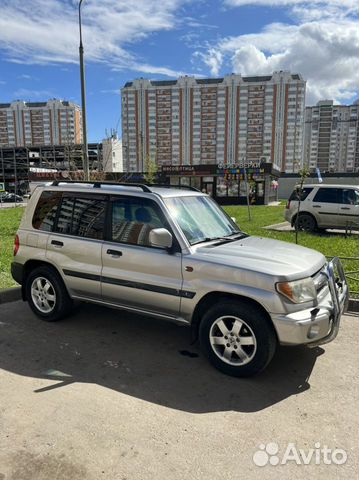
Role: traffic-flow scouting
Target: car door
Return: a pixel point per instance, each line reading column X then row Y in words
column 75, row 244
column 325, row 207
column 349, row 207
column 134, row 274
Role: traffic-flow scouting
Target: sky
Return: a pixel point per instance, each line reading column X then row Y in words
column 163, row 39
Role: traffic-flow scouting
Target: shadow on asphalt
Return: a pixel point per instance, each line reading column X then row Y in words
column 142, row 357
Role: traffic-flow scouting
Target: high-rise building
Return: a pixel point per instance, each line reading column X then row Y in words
column 226, row 121
column 55, row 122
column 112, row 154
column 332, row 137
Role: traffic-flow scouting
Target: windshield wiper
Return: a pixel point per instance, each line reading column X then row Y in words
column 222, row 239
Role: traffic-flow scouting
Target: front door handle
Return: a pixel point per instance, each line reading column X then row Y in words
column 57, row 243
column 344, row 208
column 115, row 253
column 317, row 206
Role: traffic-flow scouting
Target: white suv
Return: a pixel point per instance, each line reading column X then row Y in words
column 324, row 206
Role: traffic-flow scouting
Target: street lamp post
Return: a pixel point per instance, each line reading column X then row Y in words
column 83, row 101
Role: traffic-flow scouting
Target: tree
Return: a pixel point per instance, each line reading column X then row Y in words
column 150, row 170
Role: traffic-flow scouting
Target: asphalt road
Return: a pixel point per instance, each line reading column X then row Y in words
column 109, row 395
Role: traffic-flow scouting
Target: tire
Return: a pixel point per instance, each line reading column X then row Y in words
column 306, row 223
column 249, row 325
column 47, row 294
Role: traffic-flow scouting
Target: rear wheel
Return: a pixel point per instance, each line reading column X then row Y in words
column 47, row 294
column 306, row 223
column 237, row 338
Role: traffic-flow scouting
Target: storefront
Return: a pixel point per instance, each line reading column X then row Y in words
column 228, row 184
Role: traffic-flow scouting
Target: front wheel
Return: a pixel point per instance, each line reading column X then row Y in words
column 237, row 338
column 47, row 294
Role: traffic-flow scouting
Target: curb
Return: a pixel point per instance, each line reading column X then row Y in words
column 10, row 295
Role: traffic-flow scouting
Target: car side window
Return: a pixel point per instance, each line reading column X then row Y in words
column 133, row 219
column 327, row 195
column 45, row 211
column 296, row 194
column 82, row 216
column 348, row 196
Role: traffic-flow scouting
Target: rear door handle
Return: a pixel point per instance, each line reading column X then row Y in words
column 57, row 243
column 344, row 208
column 115, row 253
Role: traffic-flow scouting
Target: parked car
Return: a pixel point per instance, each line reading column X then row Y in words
column 324, row 206
column 10, row 197
column 175, row 254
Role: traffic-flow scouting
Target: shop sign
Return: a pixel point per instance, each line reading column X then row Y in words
column 236, row 166
column 178, row 169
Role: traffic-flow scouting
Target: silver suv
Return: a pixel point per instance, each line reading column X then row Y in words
column 174, row 253
column 324, row 206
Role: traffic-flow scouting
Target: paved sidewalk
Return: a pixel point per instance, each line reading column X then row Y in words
column 109, row 395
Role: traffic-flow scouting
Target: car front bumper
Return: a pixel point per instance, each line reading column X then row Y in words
column 317, row 325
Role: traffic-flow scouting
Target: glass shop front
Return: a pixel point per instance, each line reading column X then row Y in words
column 227, row 184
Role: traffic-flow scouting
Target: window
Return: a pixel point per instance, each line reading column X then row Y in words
column 305, row 192
column 349, row 196
column 82, row 216
column 45, row 212
column 133, row 219
column 328, row 195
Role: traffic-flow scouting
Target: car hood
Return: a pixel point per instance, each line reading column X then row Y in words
column 272, row 257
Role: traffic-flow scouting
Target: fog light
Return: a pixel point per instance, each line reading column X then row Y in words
column 313, row 331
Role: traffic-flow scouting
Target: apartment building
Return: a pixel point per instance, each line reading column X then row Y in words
column 214, row 121
column 55, row 122
column 332, row 137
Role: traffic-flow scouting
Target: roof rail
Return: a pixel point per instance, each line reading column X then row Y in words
column 98, row 184
column 160, row 185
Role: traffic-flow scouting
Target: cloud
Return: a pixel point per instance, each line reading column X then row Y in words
column 2, row 82
column 24, row 93
column 46, row 31
column 24, row 76
column 323, row 48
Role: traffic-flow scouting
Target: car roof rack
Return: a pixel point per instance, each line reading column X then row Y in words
column 160, row 185
column 98, row 184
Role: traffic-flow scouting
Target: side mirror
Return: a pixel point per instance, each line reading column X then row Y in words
column 160, row 237
column 234, row 219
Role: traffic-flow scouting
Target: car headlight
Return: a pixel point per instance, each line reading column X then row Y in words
column 298, row 291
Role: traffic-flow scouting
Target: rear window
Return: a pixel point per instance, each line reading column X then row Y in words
column 45, row 212
column 82, row 216
column 305, row 192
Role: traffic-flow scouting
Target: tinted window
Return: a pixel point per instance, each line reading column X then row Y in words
column 328, row 195
column 45, row 212
column 134, row 218
column 82, row 216
column 305, row 192
column 349, row 196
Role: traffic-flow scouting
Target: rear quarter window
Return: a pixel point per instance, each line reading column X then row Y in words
column 305, row 192
column 45, row 211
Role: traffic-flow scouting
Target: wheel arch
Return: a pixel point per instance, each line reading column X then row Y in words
column 294, row 218
column 29, row 266
column 212, row 298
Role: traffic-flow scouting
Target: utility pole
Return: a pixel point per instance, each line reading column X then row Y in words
column 83, row 102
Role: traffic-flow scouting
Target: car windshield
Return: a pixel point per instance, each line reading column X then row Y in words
column 200, row 218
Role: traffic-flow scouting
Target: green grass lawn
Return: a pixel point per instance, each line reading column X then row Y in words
column 329, row 244
column 9, row 222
